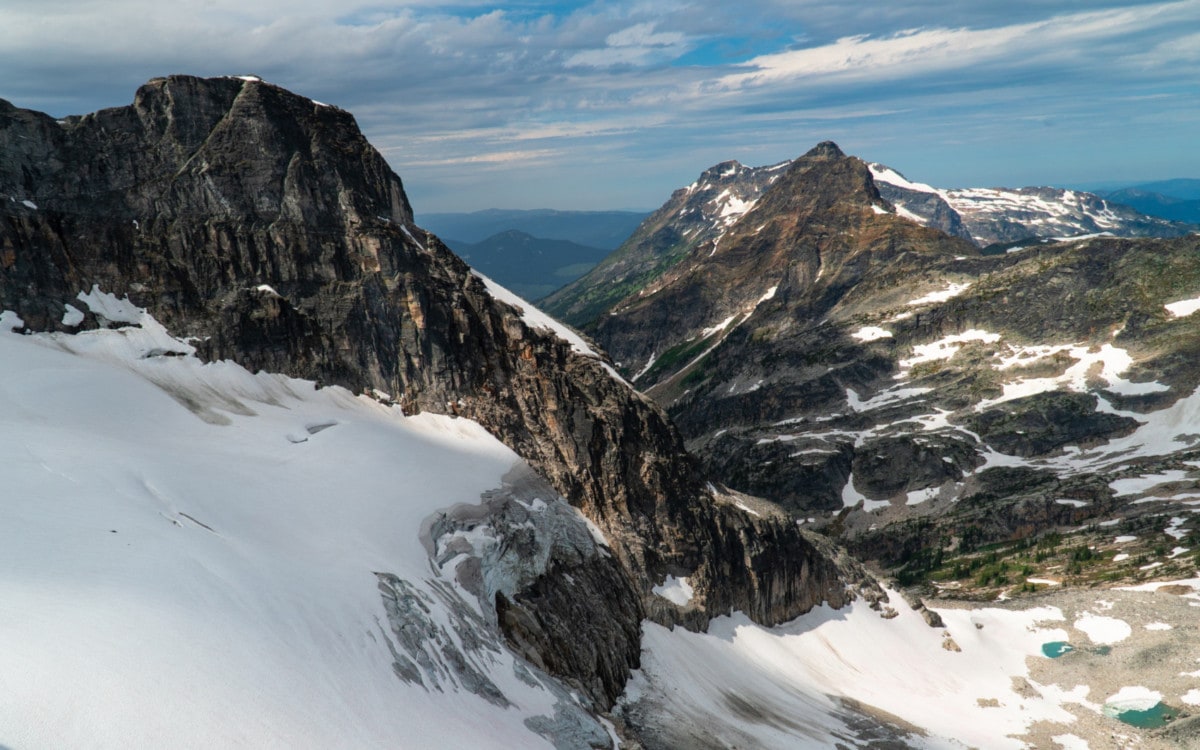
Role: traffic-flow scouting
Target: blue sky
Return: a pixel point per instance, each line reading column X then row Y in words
column 600, row 105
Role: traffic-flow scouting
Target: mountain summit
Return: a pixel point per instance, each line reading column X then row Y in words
column 806, row 244
column 891, row 384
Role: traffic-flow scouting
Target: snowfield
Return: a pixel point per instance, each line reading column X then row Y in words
column 748, row 686
column 188, row 554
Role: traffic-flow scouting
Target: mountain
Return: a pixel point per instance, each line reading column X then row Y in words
column 280, row 470
column 1187, row 189
column 530, row 266
column 1157, row 204
column 989, row 216
column 917, row 400
column 695, row 214
column 153, row 257
column 605, row 229
column 708, row 208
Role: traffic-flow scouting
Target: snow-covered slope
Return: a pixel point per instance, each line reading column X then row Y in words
column 997, row 215
column 838, row 676
column 192, row 555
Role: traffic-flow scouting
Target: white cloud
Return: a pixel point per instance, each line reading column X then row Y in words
column 639, row 44
column 916, row 52
column 589, row 92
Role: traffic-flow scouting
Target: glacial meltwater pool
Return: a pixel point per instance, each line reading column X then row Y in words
column 1152, row 718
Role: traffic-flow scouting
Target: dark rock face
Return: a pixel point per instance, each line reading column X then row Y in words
column 265, row 227
column 1036, row 425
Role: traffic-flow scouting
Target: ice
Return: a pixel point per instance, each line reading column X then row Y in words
column 886, row 398
column 646, row 368
column 852, row 497
column 916, row 497
column 1111, row 361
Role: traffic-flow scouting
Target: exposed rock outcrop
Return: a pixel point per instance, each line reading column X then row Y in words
column 265, row 227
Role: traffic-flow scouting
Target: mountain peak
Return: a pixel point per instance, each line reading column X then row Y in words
column 825, row 150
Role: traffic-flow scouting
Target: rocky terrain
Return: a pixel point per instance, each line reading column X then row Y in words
column 698, row 213
column 916, row 399
column 999, row 216
column 995, row 218
column 262, row 227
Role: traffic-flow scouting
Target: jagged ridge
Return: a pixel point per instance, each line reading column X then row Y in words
column 266, row 228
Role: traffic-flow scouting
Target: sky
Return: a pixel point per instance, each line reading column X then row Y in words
column 612, row 105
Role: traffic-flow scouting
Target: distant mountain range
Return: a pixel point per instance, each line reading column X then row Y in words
column 604, row 229
column 530, row 266
column 1178, row 200
column 989, row 216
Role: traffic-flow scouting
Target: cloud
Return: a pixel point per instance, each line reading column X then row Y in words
column 1077, row 37
column 571, row 101
column 639, row 44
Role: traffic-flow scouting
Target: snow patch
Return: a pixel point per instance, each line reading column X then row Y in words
column 73, row 316
column 797, row 670
column 945, row 348
column 1133, row 698
column 1183, row 308
column 1103, row 630
column 871, row 333
column 946, row 294
column 675, row 590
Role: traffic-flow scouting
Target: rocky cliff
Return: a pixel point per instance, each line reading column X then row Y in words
column 266, row 229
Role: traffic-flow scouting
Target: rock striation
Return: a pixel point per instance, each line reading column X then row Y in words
column 265, row 228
